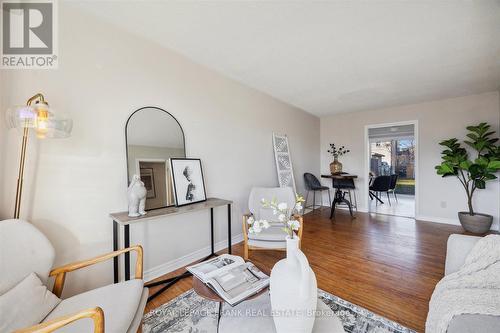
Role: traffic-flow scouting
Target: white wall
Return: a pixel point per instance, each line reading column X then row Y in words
column 437, row 120
column 3, row 139
column 104, row 75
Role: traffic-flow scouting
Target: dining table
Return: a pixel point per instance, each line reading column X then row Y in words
column 339, row 197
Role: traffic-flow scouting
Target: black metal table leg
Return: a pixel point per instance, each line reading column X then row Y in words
column 229, row 229
column 348, row 203
column 334, row 202
column 212, row 231
column 126, row 234
column 115, row 248
column 338, row 199
column 173, row 280
column 219, row 315
column 332, row 209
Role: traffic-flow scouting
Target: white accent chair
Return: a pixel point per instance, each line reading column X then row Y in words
column 115, row 308
column 272, row 238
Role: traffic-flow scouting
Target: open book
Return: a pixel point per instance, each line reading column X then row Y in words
column 230, row 277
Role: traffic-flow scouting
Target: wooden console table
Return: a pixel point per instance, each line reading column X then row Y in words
column 122, row 219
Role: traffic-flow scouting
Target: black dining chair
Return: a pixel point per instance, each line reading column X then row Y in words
column 347, row 185
column 392, row 186
column 312, row 184
column 381, row 184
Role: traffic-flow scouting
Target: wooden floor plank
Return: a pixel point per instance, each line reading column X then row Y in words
column 386, row 264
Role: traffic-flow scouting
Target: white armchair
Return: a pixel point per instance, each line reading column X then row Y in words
column 115, row 308
column 272, row 238
column 458, row 248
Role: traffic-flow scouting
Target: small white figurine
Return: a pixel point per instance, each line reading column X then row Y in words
column 136, row 197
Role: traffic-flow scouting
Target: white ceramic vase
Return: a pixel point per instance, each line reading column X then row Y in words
column 293, row 290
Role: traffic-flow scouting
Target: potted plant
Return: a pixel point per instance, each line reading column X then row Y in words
column 336, row 166
column 472, row 173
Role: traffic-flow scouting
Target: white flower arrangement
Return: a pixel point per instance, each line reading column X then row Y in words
column 285, row 214
column 256, row 226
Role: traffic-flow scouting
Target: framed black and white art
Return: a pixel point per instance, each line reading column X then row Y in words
column 187, row 176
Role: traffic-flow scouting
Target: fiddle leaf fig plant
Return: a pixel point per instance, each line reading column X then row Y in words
column 472, row 172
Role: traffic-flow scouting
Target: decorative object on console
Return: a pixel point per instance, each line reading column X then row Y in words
column 283, row 161
column 472, row 173
column 336, row 166
column 36, row 114
column 136, row 197
column 187, row 176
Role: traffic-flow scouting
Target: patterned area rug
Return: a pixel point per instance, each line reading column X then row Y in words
column 194, row 314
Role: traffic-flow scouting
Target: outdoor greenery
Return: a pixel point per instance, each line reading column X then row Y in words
column 472, row 172
column 406, row 182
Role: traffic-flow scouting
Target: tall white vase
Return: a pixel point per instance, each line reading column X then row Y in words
column 294, row 292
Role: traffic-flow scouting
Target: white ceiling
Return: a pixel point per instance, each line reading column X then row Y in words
column 329, row 57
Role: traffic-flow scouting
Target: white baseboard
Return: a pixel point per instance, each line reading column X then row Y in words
column 172, row 265
column 494, row 226
column 360, row 209
column 438, row 219
column 444, row 220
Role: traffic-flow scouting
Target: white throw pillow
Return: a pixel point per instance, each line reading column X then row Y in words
column 26, row 304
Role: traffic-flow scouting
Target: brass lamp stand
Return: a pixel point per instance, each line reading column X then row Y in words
column 19, row 189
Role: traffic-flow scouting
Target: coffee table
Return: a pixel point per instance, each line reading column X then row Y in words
column 204, row 291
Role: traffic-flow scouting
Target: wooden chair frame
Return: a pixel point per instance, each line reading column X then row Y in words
column 247, row 248
column 96, row 314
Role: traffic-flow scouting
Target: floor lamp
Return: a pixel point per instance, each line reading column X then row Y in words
column 38, row 116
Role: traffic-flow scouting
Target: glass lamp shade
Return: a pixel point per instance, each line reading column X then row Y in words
column 40, row 117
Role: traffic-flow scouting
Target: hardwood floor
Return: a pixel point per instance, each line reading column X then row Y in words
column 387, row 264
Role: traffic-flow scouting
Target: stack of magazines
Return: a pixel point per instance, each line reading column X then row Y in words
column 230, row 277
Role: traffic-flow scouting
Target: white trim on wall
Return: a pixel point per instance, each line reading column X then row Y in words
column 438, row 219
column 367, row 157
column 185, row 260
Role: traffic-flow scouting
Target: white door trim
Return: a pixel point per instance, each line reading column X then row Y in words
column 417, row 168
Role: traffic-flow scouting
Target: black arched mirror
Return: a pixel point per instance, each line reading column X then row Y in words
column 153, row 136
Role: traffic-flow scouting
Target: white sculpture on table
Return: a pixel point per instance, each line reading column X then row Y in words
column 136, row 197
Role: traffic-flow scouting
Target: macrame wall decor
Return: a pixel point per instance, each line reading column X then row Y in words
column 283, row 161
